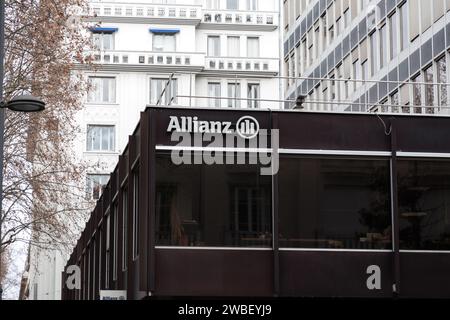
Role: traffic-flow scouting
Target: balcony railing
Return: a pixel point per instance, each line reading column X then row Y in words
column 179, row 11
column 117, row 9
column 354, row 95
column 242, row 64
column 149, row 58
column 240, row 17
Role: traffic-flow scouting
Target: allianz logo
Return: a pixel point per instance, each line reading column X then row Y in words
column 247, row 127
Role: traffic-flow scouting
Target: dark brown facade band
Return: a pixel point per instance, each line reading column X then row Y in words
column 360, row 207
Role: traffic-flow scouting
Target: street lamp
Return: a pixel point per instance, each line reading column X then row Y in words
column 22, row 103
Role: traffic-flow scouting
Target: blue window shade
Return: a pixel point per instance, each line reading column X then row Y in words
column 164, row 31
column 104, row 30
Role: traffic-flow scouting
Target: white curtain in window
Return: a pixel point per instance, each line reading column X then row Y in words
column 213, row 4
column 232, row 4
column 252, row 47
column 214, row 91
column 102, row 90
column 252, row 5
column 95, row 184
column 253, row 93
column 169, row 96
column 233, row 46
column 164, row 42
column 234, row 91
column 213, row 46
column 100, row 138
column 103, row 41
column 108, row 41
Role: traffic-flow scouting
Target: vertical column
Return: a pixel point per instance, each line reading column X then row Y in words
column 394, row 210
column 152, row 192
column 276, row 257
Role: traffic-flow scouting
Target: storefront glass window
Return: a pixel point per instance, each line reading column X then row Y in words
column 334, row 203
column 424, row 204
column 212, row 205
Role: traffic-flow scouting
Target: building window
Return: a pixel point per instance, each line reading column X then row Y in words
column 373, row 53
column 232, row 4
column 286, row 14
column 404, row 27
column 135, row 215
column 426, row 12
column 364, row 71
column 115, row 239
column 103, row 41
column 95, row 184
column 252, row 47
column 331, row 33
column 395, row 102
column 393, row 36
column 233, row 44
column 100, row 138
column 414, row 14
column 214, row 46
column 314, row 211
column 292, row 69
column 253, row 92
column 234, row 92
column 423, row 199
column 170, row 94
column 441, row 66
column 347, row 18
column 214, row 94
column 186, row 195
column 304, row 55
column 417, row 93
column 103, row 90
column 383, row 47
column 252, row 5
column 164, row 42
column 124, row 229
column 429, row 89
column 338, row 25
column 213, row 4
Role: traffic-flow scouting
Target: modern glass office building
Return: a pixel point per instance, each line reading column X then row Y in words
column 359, row 207
column 359, row 55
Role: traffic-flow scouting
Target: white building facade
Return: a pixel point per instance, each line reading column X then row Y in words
column 207, row 53
column 367, row 55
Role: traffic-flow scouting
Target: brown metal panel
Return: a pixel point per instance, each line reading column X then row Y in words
column 333, row 273
column 96, row 269
column 120, row 282
column 423, row 134
column 187, row 272
column 103, row 255
column 91, row 271
column 425, row 275
column 142, row 144
column 332, row 132
column 152, row 196
column 131, row 275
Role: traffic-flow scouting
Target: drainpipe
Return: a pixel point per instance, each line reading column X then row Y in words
column 280, row 53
